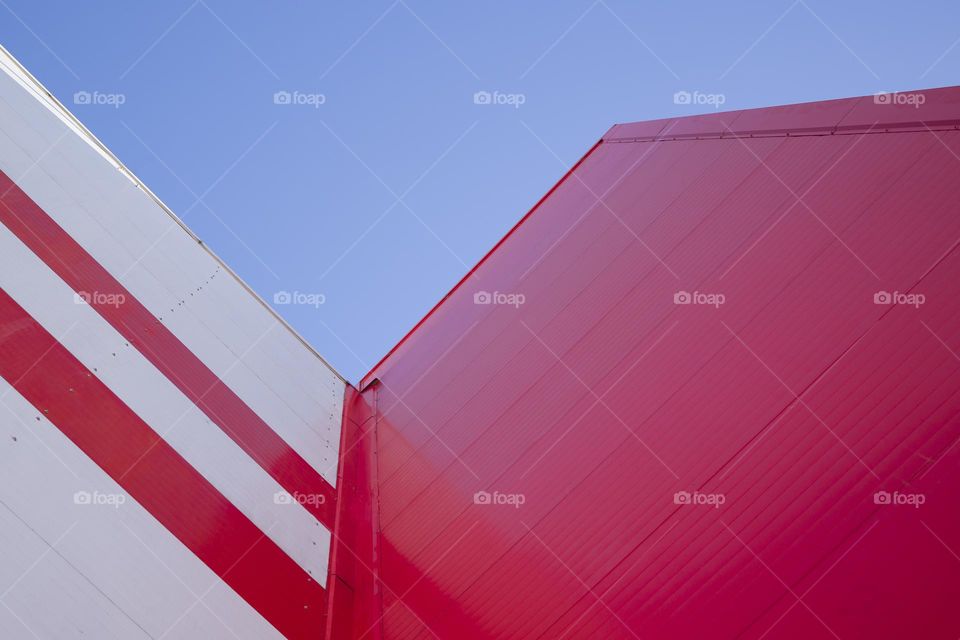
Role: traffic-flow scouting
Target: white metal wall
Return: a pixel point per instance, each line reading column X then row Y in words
column 100, row 571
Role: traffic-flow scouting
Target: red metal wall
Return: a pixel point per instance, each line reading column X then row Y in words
column 781, row 409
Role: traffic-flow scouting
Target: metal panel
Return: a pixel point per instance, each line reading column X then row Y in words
column 255, row 411
column 158, row 402
column 191, row 372
column 82, row 581
column 695, row 466
column 151, row 472
column 123, row 227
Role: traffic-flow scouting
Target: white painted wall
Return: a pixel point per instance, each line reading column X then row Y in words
column 117, row 573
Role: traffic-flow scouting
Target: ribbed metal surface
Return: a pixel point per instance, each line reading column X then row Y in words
column 168, row 448
column 599, row 398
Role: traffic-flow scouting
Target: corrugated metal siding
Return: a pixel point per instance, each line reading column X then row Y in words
column 172, row 388
column 599, row 398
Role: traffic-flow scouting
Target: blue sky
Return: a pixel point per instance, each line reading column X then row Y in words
column 381, row 182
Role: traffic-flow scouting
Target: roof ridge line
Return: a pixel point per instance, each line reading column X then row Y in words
column 893, row 127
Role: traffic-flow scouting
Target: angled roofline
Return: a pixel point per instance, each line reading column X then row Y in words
column 933, row 109
column 20, row 73
column 369, row 377
column 936, row 109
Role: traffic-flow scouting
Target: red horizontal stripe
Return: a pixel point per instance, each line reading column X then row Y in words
column 61, row 253
column 81, row 406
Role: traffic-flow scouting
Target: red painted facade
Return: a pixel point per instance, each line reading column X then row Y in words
column 708, row 388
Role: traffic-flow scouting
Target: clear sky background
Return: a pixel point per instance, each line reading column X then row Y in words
column 383, row 196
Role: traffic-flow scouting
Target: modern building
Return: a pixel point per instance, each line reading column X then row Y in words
column 709, row 387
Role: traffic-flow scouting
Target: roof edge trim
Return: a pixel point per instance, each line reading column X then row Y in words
column 13, row 67
column 920, row 109
column 729, row 134
column 370, row 376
